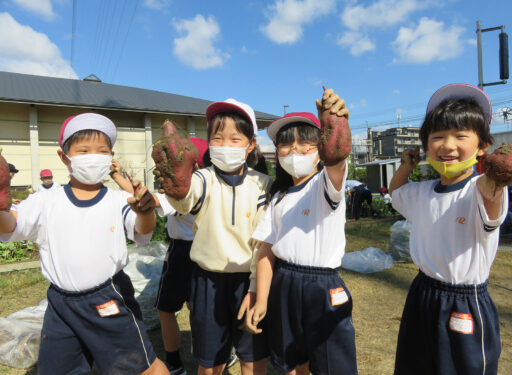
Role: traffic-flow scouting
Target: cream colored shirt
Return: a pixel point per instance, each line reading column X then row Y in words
column 227, row 209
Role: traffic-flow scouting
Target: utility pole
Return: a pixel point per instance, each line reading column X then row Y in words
column 284, row 108
column 503, row 37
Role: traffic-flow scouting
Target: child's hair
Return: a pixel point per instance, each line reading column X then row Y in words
column 84, row 134
column 242, row 124
column 257, row 161
column 286, row 134
column 460, row 114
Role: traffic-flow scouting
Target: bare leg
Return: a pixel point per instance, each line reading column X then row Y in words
column 217, row 370
column 301, row 370
column 170, row 331
column 254, row 368
column 156, row 368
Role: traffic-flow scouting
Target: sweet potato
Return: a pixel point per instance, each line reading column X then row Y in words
column 175, row 158
column 5, row 185
column 498, row 165
column 335, row 138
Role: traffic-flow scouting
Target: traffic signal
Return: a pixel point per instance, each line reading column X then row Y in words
column 503, row 55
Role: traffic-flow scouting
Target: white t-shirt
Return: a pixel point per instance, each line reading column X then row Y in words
column 307, row 227
column 179, row 226
column 54, row 185
column 81, row 243
column 452, row 238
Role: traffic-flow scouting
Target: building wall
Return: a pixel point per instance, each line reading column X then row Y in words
column 130, row 148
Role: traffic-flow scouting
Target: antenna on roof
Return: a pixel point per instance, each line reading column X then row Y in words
column 92, row 78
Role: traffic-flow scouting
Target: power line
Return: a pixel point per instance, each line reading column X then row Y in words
column 125, row 39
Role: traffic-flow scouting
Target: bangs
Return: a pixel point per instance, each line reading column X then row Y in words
column 218, row 122
column 305, row 132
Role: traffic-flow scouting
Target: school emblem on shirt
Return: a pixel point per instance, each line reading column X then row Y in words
column 338, row 296
column 306, row 212
column 247, row 214
column 112, row 229
column 461, row 323
column 107, row 309
column 460, row 220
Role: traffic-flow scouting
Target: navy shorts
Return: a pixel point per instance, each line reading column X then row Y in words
column 448, row 329
column 101, row 325
column 174, row 287
column 214, row 302
column 310, row 319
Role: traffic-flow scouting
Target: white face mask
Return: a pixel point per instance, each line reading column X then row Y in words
column 228, row 159
column 90, row 169
column 299, row 165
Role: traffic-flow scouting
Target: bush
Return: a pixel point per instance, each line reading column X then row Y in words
column 15, row 251
column 160, row 232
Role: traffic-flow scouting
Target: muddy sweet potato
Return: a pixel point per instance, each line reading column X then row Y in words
column 335, row 138
column 498, row 165
column 5, row 185
column 175, row 158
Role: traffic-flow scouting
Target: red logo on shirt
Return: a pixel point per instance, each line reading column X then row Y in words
column 306, row 212
column 461, row 220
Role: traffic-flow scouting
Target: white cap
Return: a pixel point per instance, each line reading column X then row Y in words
column 232, row 105
column 462, row 91
column 87, row 121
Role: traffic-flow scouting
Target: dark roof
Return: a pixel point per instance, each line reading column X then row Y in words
column 25, row 88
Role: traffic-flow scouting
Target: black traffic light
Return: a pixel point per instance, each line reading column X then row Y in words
column 503, row 55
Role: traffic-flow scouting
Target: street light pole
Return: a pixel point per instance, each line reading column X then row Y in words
column 503, row 55
column 284, row 108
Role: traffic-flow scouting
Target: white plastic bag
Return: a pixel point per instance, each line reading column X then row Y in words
column 399, row 247
column 369, row 260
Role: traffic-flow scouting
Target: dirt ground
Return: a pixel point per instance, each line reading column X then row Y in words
column 378, row 303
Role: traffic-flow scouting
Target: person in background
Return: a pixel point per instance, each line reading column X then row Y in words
column 386, row 198
column 12, row 170
column 359, row 195
column 47, row 181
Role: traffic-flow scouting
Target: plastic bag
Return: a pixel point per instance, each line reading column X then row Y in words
column 369, row 260
column 20, row 332
column 20, row 336
column 399, row 247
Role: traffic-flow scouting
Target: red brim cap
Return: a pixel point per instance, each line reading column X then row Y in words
column 45, row 173
column 202, row 147
column 289, row 118
column 88, row 121
column 462, row 91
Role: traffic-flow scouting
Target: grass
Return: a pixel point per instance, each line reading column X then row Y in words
column 378, row 304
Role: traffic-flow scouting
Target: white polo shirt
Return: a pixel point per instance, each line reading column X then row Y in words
column 307, row 227
column 179, row 226
column 81, row 242
column 452, row 238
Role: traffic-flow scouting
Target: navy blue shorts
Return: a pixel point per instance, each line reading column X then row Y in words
column 174, row 287
column 448, row 329
column 214, row 302
column 309, row 318
column 102, row 324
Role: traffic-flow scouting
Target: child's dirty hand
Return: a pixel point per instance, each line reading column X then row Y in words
column 175, row 158
column 142, row 201
column 335, row 136
column 5, row 185
column 116, row 167
column 411, row 158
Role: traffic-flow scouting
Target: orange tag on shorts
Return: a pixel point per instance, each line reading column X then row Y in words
column 338, row 296
column 107, row 309
column 461, row 323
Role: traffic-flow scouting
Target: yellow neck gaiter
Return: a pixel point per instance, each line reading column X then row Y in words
column 452, row 170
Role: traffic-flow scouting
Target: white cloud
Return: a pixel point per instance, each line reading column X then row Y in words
column 196, row 48
column 41, row 7
column 155, row 4
column 380, row 14
column 395, row 92
column 430, row 41
column 472, row 42
column 363, row 103
column 356, row 42
column 24, row 50
column 287, row 18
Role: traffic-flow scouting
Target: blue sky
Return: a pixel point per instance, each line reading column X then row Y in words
column 385, row 57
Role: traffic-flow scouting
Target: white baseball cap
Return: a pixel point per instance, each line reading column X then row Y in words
column 87, row 121
column 232, row 105
column 462, row 91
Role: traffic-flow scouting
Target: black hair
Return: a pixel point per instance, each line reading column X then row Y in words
column 257, row 161
column 286, row 134
column 460, row 114
column 84, row 134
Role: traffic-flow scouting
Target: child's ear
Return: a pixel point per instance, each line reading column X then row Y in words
column 483, row 150
column 252, row 145
column 63, row 158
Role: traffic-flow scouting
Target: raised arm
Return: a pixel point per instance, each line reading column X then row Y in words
column 335, row 136
column 410, row 158
column 117, row 175
column 143, row 204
